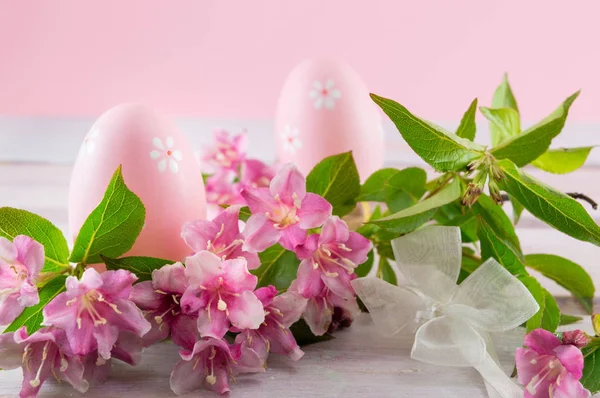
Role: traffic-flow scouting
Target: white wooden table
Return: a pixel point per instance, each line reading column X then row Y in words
column 358, row 363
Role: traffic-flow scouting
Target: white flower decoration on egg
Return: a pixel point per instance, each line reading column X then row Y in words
column 325, row 95
column 165, row 154
column 89, row 142
column 291, row 141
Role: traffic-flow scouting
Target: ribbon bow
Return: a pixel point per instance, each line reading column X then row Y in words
column 452, row 322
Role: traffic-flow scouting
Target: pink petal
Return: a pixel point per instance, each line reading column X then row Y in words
column 228, row 223
column 74, row 374
column 186, row 378
column 11, row 353
column 184, row 331
column 215, row 325
column 314, row 211
column 283, row 343
column 340, row 284
column 203, row 344
column 245, row 311
column 157, row 332
column 292, row 237
column 128, row 348
column 196, row 234
column 571, row 358
column 266, row 294
column 334, row 231
column 318, row 315
column 30, row 254
column 202, row 268
column 350, row 306
column 291, row 305
column 568, row 386
column 359, row 248
column 28, row 295
column 222, row 384
column 170, row 278
column 8, row 251
column 10, row 309
column 260, row 200
column 260, row 234
column 247, row 360
column 289, row 184
column 252, row 259
column 255, row 341
column 529, row 364
column 117, row 284
column 309, row 283
column 236, row 275
column 309, row 246
column 542, row 341
column 106, row 336
column 145, row 296
column 193, row 300
column 90, row 279
column 130, row 318
column 95, row 374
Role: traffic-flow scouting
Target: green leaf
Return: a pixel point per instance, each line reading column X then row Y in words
column 517, row 208
column 469, row 264
column 112, row 227
column 497, row 219
column 549, row 205
column 443, row 150
column 278, row 268
column 591, row 368
column 405, row 188
column 566, row 273
column 548, row 317
column 336, row 179
column 412, row 218
column 563, row 160
column 504, row 123
column 373, row 190
column 494, row 245
column 14, row 222
column 504, row 97
column 596, row 323
column 142, row 267
column 32, row 317
column 467, row 127
column 363, row 269
column 566, row 319
column 533, row 142
column 386, row 272
column 467, row 224
column 304, row 336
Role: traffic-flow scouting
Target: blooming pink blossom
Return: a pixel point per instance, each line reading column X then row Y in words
column 95, row 309
column 21, row 261
column 283, row 212
column 211, row 363
column 255, row 174
column 42, row 355
column 548, row 368
column 274, row 334
column 329, row 260
column 221, row 292
column 228, row 153
column 221, row 189
column 220, row 236
column 160, row 300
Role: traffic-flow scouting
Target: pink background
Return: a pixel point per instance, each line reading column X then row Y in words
column 229, row 58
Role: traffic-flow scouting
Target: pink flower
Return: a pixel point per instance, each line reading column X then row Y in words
column 256, row 174
column 222, row 190
column 20, row 264
column 42, row 355
column 220, row 236
column 549, row 369
column 274, row 334
column 229, row 151
column 160, row 299
column 283, row 212
column 95, row 309
column 575, row 337
column 210, row 364
column 329, row 260
column 220, row 292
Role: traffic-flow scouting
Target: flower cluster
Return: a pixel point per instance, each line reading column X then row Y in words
column 230, row 170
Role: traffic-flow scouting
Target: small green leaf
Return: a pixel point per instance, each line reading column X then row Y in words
column 373, row 190
column 386, row 272
column 566, row 319
column 468, row 226
column 596, row 324
column 497, row 219
column 467, row 127
column 142, row 267
column 548, row 317
column 405, row 188
column 278, row 268
column 524, row 148
column 563, row 160
column 304, row 336
column 566, row 273
column 494, row 245
column 517, row 209
column 363, row 269
column 336, row 179
column 112, row 227
column 591, row 368
column 14, row 222
column 504, row 123
column 412, row 218
column 32, row 317
column 549, row 205
column 504, row 97
column 443, row 150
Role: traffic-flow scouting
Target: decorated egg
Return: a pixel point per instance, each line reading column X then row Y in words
column 324, row 109
column 158, row 165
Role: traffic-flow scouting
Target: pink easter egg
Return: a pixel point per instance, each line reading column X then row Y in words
column 324, row 109
column 158, row 165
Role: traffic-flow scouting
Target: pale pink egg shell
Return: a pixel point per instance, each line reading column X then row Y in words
column 348, row 122
column 125, row 135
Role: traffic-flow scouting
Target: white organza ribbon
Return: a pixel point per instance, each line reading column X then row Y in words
column 451, row 322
